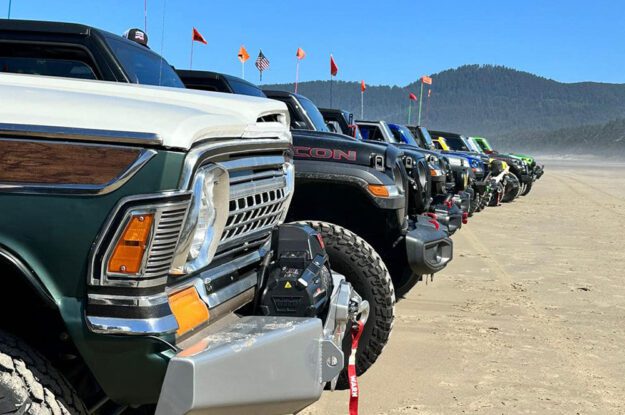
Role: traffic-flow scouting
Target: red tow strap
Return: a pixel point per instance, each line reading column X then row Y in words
column 354, row 391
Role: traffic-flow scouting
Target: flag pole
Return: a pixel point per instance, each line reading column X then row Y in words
column 331, row 79
column 296, row 74
column 243, row 70
column 420, row 101
column 9, row 13
column 409, row 110
column 191, row 62
column 427, row 107
column 362, row 104
column 145, row 16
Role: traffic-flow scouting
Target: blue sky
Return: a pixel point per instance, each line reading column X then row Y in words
column 390, row 42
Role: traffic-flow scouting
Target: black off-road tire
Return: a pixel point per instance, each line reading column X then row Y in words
column 513, row 189
column 475, row 204
column 497, row 195
column 484, row 199
column 30, row 385
column 527, row 189
column 361, row 265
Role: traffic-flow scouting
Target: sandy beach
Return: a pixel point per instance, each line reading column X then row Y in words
column 529, row 318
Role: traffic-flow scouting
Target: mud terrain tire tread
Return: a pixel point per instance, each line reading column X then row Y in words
column 30, row 385
column 371, row 279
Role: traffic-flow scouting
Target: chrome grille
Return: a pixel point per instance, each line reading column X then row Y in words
column 258, row 194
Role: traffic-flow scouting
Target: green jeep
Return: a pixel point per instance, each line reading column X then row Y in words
column 536, row 169
column 135, row 221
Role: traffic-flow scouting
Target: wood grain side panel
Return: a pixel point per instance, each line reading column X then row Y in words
column 53, row 163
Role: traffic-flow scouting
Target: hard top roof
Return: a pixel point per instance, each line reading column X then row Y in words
column 44, row 26
column 195, row 74
column 444, row 134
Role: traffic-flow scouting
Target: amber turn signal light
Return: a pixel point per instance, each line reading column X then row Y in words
column 130, row 248
column 378, row 190
column 190, row 311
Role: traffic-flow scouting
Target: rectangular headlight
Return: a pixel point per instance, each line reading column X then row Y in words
column 205, row 221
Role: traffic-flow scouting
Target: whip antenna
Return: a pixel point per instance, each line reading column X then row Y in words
column 160, row 72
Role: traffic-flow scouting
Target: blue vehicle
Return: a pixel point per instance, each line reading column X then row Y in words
column 477, row 168
column 449, row 203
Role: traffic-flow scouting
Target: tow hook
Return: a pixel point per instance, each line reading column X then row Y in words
column 465, row 218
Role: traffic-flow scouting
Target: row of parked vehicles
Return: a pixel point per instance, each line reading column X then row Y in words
column 171, row 250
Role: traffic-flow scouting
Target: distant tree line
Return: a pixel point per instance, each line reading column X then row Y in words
column 492, row 101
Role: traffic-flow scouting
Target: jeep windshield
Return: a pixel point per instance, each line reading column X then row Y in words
column 313, row 113
column 141, row 64
column 472, row 145
column 403, row 134
column 427, row 138
column 456, row 143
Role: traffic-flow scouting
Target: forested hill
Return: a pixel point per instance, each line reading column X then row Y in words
column 482, row 100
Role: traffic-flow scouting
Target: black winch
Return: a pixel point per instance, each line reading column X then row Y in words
column 299, row 282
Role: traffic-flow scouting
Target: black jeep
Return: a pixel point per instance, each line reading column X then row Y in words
column 356, row 195
column 450, row 200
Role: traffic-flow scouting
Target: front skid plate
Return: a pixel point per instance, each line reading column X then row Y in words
column 260, row 365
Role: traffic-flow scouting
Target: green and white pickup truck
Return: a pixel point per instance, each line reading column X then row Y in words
column 135, row 220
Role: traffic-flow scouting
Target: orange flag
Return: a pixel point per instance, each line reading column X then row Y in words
column 363, row 87
column 243, row 55
column 426, row 80
column 300, row 54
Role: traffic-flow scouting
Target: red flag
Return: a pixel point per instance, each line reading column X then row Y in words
column 412, row 96
column 197, row 37
column 243, row 55
column 426, row 80
column 300, row 54
column 363, row 87
column 333, row 68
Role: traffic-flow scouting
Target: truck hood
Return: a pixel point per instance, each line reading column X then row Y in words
column 180, row 117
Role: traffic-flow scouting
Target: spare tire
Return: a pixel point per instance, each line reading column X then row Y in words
column 353, row 257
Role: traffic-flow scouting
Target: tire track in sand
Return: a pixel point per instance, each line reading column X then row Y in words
column 552, row 331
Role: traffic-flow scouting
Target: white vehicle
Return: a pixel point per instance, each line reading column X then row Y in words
column 142, row 239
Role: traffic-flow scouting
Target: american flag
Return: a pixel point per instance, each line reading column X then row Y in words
column 262, row 63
